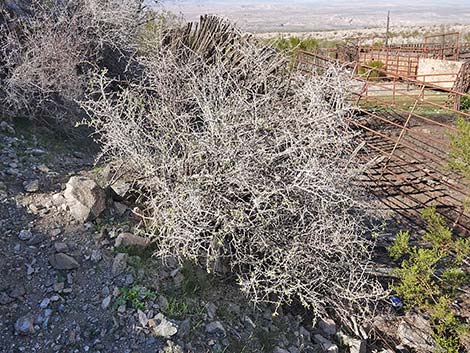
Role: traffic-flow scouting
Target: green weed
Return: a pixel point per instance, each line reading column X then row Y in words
column 135, row 296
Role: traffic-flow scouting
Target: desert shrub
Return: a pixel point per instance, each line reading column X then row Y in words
column 46, row 55
column 429, row 276
column 244, row 168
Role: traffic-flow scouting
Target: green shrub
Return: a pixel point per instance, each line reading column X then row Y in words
column 429, row 276
column 375, row 67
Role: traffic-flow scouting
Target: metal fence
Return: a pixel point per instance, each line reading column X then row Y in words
column 406, row 124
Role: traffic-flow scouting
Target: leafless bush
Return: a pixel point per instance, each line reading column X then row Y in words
column 245, row 165
column 47, row 52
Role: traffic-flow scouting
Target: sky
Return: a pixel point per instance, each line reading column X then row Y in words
column 266, row 15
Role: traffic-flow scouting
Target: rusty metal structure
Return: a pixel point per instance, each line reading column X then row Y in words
column 406, row 122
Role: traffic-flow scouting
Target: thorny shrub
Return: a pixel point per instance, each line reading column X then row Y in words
column 48, row 49
column 244, row 168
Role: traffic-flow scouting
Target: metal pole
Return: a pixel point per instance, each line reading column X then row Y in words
column 388, row 29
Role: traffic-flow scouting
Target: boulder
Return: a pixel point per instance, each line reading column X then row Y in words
column 85, row 198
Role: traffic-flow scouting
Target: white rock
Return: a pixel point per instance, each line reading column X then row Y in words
column 142, row 318
column 105, row 303
column 162, row 327
column 85, row 198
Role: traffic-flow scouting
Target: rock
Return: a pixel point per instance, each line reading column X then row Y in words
column 143, row 320
column 129, row 279
column 328, row 326
column 105, row 303
column 293, row 349
column 96, row 256
column 211, row 310
column 25, row 325
column 119, row 264
column 129, row 239
column 162, row 327
column 17, row 292
column 36, row 151
column 184, row 328
column 120, row 208
column 43, row 168
column 303, row 332
column 85, row 198
column 25, row 235
column 326, row 345
column 32, row 186
column 61, row 261
column 215, row 327
column 280, row 350
column 5, row 299
column 415, row 332
column 120, row 190
column 44, row 303
column 55, row 232
column 5, row 127
column 60, row 247
column 355, row 345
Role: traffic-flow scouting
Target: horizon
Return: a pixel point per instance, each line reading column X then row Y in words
column 319, row 15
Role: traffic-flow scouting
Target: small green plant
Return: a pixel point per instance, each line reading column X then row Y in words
column 465, row 103
column 177, row 308
column 135, row 296
column 429, row 276
column 400, row 246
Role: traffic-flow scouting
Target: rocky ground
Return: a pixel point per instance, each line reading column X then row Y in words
column 78, row 276
column 69, row 284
